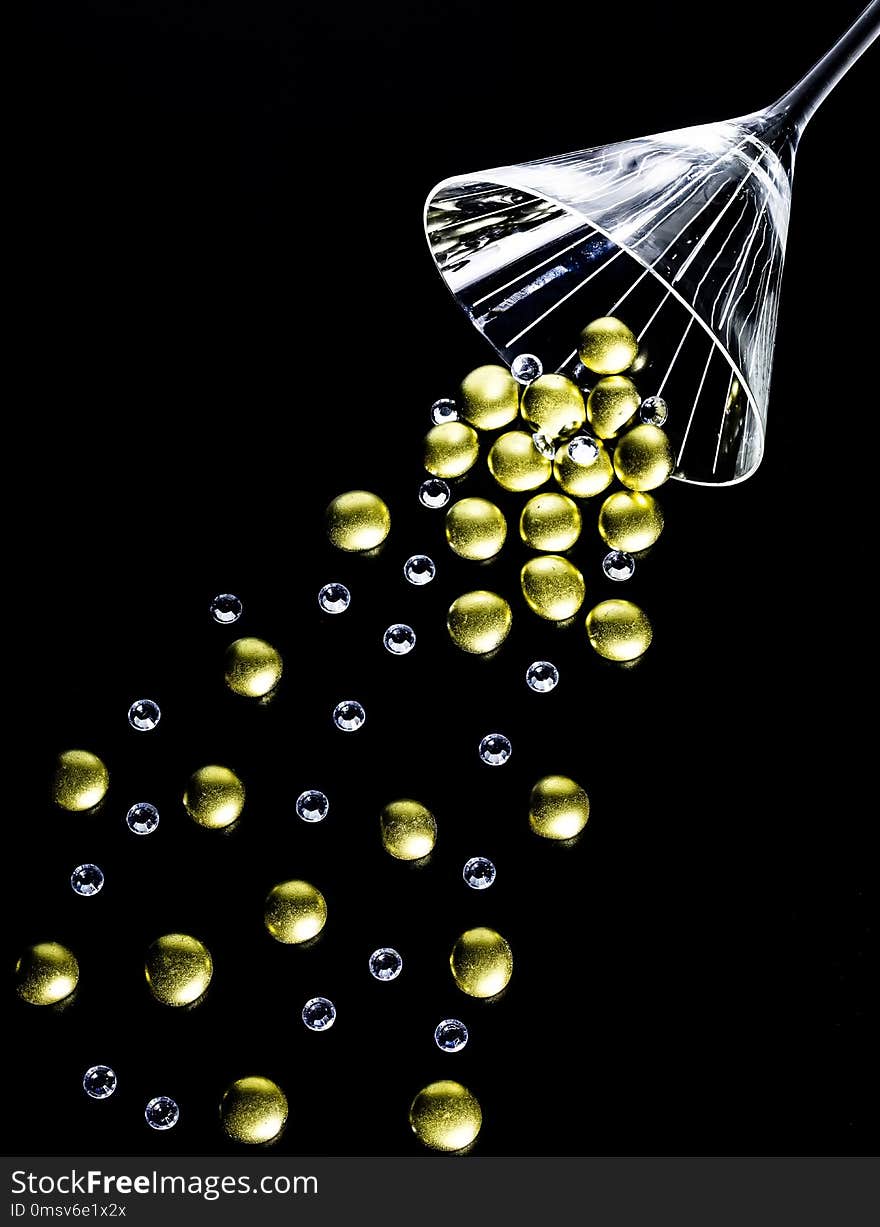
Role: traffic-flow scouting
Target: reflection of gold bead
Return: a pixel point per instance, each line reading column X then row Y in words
column 550, row 522
column 481, row 962
column 295, row 912
column 553, row 405
column 253, row 667
column 643, row 458
column 583, row 480
column 445, row 1116
column 515, row 462
column 640, row 361
column 46, row 973
column 178, row 969
column 81, row 780
column 558, row 807
column 479, row 621
column 409, row 831
column 475, row 528
column 611, row 404
column 357, row 520
column 489, row 397
column 451, row 449
column 630, row 522
column 619, row 630
column 607, row 346
column 253, row 1110
column 553, row 587
column 214, row 797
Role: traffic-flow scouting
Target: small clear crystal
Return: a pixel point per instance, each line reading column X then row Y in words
column 451, row 1035
column 162, row 1113
column 144, row 715
column 142, row 818
column 86, row 880
column 581, row 375
column 349, row 715
column 385, row 964
column 654, row 410
column 583, row 450
column 444, row 410
column 312, row 806
column 419, row 569
column 399, row 639
column 226, row 608
column 495, row 749
column 479, row 873
column 544, row 445
column 434, row 493
column 542, row 676
column 99, row 1082
column 526, row 367
column 334, row 598
column 319, row 1014
column 619, row 566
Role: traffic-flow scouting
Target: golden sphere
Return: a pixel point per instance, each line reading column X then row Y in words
column 475, row 528
column 81, row 781
column 445, row 1116
column 611, row 404
column 481, row 962
column 178, row 969
column 295, row 912
column 451, row 449
column 558, row 807
column 583, row 480
column 489, row 397
column 643, row 458
column 607, row 346
column 553, row 405
column 550, row 522
column 253, row 667
column 553, row 587
column 479, row 622
column 357, row 521
column 214, row 797
column 253, row 1110
column 515, row 462
column 630, row 522
column 46, row 973
column 619, row 630
column 409, row 830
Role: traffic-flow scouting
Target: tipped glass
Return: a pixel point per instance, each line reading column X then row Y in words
column 681, row 235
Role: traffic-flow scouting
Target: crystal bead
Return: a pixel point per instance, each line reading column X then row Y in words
column 162, row 1113
column 399, row 639
column 99, row 1082
column 349, row 715
column 451, row 1035
column 542, row 676
column 444, row 410
column 434, row 493
column 334, row 598
column 319, row 1014
column 653, row 410
column 419, row 569
column 619, row 566
column 583, row 450
column 526, row 367
column 142, row 818
column 86, row 880
column 312, row 806
column 495, row 749
column 144, row 715
column 479, row 873
column 385, row 964
column 226, row 608
column 544, row 445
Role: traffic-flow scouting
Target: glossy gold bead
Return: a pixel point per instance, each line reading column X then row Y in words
column 253, row 667
column 583, row 480
column 553, row 405
column 475, row 529
column 409, row 830
column 479, row 622
column 558, row 807
column 295, row 912
column 445, row 1116
column 515, row 462
column 481, row 962
column 357, row 521
column 640, row 361
column 214, row 797
column 619, row 630
column 607, row 346
column 550, row 522
column 553, row 587
column 46, row 973
column 643, row 458
column 451, row 449
column 178, row 969
column 489, row 397
column 254, row 1111
column 81, row 781
column 630, row 522
column 611, row 404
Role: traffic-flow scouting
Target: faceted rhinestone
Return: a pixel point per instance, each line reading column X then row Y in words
column 349, row 715
column 99, row 1082
column 419, row 569
column 451, row 1035
column 434, row 493
column 226, row 608
column 583, row 449
column 653, row 410
column 544, row 445
column 526, row 367
column 334, row 598
column 385, row 964
column 312, row 806
column 86, row 880
column 495, row 749
column 399, row 639
column 162, row 1113
column 542, row 676
column 319, row 1014
column 142, row 818
column 479, row 873
column 144, row 715
column 619, row 566
column 444, row 410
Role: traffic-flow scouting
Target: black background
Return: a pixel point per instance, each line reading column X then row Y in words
column 230, row 315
